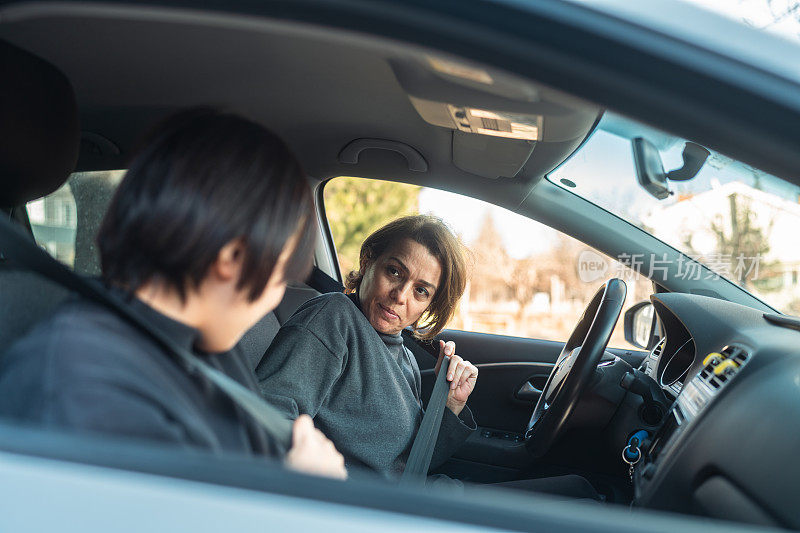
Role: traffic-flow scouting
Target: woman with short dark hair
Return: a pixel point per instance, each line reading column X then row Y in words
column 212, row 217
column 341, row 357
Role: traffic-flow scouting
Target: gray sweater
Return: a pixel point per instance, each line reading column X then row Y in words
column 362, row 390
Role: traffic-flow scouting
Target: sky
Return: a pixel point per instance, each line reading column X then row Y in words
column 521, row 236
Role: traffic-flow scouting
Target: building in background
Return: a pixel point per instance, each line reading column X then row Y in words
column 745, row 234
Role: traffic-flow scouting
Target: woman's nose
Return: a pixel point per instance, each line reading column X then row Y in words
column 400, row 293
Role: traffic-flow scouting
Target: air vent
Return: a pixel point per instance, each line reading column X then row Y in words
column 658, row 349
column 649, row 365
column 720, row 367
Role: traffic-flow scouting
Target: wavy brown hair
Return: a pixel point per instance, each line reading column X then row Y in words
column 432, row 233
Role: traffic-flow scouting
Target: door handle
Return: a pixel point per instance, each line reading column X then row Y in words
column 527, row 392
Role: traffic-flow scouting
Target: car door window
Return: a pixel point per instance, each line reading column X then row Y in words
column 526, row 279
column 65, row 222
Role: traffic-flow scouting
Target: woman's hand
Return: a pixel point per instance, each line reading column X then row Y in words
column 461, row 374
column 312, row 452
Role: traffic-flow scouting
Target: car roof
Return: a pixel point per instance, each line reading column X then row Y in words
column 721, row 35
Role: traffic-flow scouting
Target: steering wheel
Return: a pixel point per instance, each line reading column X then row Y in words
column 574, row 367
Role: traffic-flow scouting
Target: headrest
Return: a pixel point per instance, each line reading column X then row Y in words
column 39, row 131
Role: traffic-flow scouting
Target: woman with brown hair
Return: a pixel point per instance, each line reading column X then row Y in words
column 341, row 358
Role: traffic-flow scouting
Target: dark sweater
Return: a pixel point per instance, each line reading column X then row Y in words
column 86, row 369
column 329, row 362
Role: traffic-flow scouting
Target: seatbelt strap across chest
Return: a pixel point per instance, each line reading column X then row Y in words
column 419, row 459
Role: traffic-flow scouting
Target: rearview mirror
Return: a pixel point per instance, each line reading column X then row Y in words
column 639, row 324
column 650, row 169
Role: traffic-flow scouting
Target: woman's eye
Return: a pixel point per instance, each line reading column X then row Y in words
column 422, row 291
column 393, row 271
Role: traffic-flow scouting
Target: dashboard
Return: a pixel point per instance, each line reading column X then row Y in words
column 728, row 445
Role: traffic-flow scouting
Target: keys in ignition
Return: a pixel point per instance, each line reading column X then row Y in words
column 631, row 453
column 632, row 449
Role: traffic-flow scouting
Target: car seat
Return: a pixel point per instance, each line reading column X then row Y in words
column 39, row 148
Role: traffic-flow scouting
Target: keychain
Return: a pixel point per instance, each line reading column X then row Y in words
column 632, row 449
column 631, row 453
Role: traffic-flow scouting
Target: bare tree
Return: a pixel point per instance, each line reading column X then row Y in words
column 741, row 238
column 491, row 258
column 775, row 12
column 782, row 10
column 499, row 276
column 523, row 283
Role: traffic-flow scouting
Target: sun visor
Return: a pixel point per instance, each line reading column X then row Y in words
column 490, row 157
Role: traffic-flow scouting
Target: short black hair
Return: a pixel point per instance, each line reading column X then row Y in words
column 201, row 179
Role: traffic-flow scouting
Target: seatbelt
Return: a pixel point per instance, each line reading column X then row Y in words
column 17, row 246
column 419, row 459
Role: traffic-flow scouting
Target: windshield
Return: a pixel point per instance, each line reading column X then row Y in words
column 739, row 221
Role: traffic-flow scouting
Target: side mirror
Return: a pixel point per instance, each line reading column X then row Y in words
column 639, row 324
